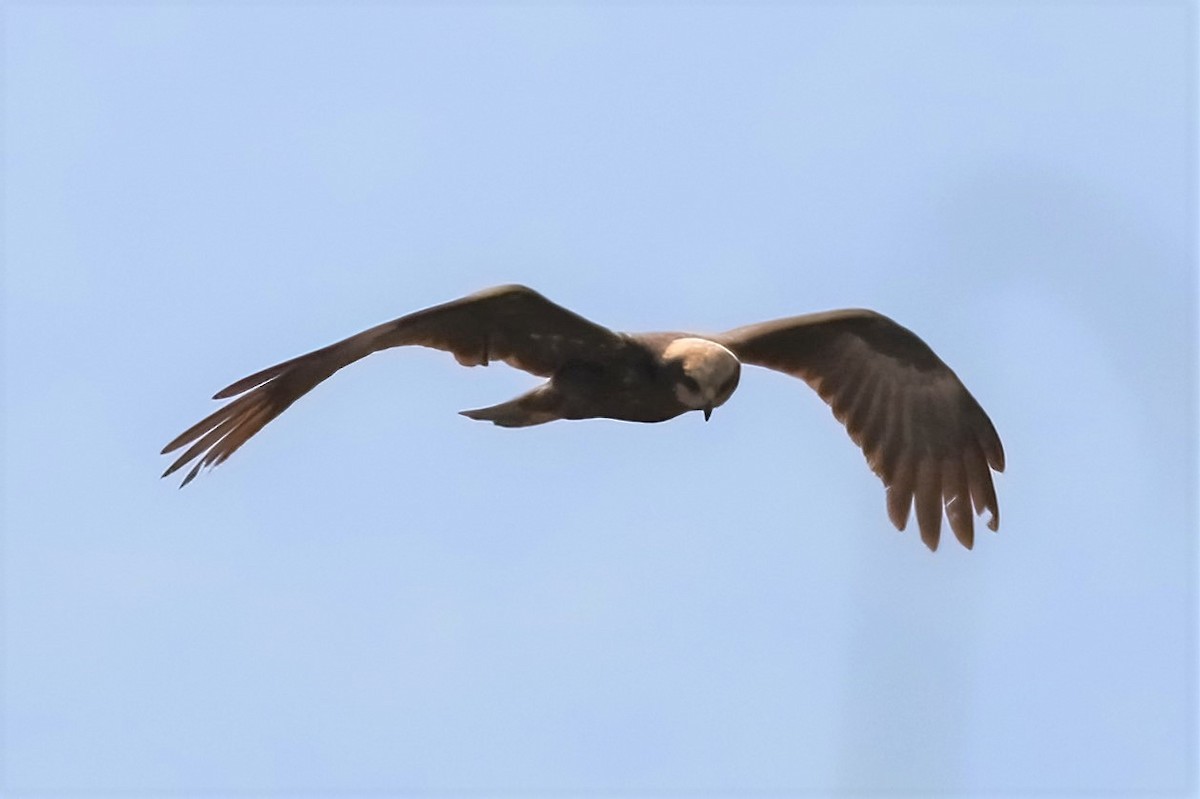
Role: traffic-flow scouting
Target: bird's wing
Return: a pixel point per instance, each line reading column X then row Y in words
column 513, row 324
column 921, row 430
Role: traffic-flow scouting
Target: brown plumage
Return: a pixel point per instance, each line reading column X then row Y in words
column 922, row 432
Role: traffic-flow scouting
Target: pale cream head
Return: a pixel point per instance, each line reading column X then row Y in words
column 710, row 372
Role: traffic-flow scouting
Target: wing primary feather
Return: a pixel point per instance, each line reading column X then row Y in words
column 928, row 499
column 976, row 468
column 254, row 421
column 900, row 495
column 957, row 500
column 988, row 439
column 204, row 425
column 191, row 475
column 993, row 522
column 204, row 442
column 983, row 490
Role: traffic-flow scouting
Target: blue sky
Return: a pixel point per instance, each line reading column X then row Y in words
column 377, row 595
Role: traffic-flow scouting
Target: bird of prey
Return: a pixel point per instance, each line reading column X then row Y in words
column 922, row 432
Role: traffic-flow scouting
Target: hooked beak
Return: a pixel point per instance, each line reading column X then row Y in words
column 707, row 412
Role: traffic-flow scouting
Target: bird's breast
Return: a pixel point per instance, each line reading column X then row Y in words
column 629, row 390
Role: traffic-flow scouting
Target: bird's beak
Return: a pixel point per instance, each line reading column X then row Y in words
column 707, row 412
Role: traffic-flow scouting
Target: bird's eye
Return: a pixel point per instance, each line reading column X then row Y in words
column 727, row 386
column 690, row 384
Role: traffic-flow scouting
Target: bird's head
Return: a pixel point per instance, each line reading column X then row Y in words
column 705, row 373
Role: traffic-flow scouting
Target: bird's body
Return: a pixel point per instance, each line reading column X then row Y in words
column 920, row 429
column 642, row 380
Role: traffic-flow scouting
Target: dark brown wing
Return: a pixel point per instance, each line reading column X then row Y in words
column 513, row 324
column 920, row 429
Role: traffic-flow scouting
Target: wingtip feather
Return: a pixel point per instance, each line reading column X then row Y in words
column 192, row 474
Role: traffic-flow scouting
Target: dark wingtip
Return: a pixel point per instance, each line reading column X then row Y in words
column 177, row 465
column 170, row 470
column 192, row 474
column 994, row 450
column 175, row 443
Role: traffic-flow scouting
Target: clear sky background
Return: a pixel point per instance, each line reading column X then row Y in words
column 378, row 595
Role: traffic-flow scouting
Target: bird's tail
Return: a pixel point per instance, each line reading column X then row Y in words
column 535, row 407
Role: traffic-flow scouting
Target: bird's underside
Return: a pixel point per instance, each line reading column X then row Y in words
column 922, row 432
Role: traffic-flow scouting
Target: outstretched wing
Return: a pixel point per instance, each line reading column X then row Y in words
column 920, row 429
column 513, row 324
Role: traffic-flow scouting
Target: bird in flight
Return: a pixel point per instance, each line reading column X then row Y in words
column 920, row 429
